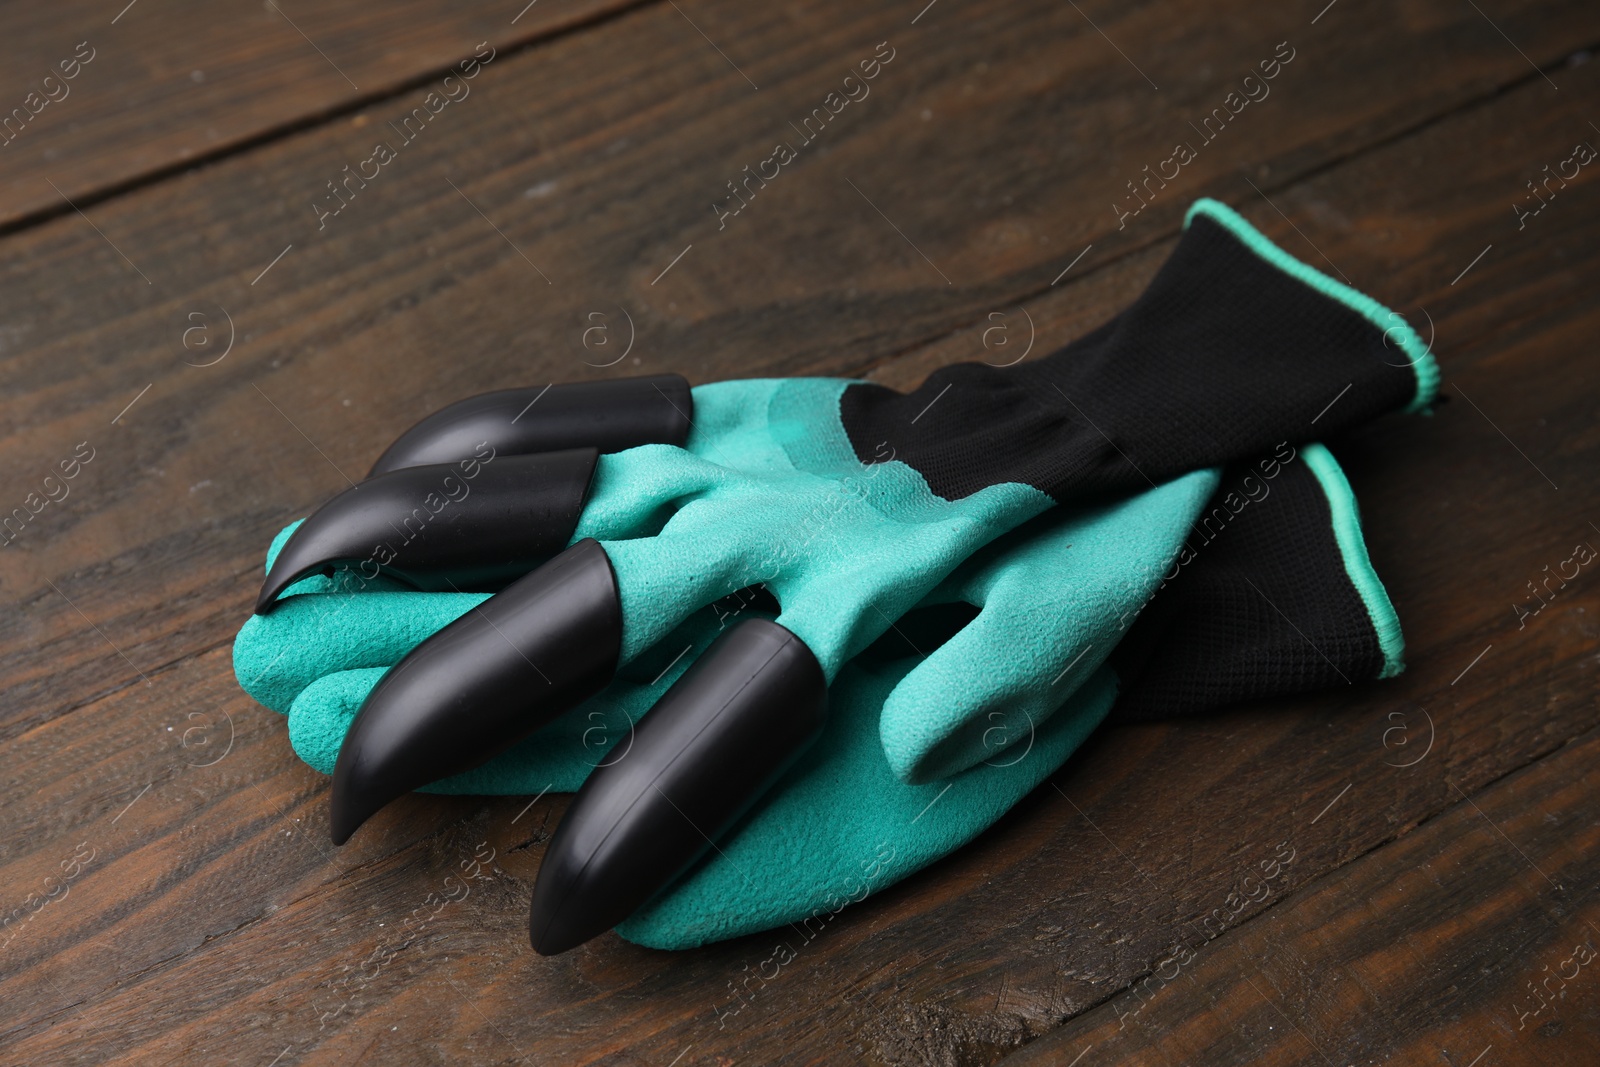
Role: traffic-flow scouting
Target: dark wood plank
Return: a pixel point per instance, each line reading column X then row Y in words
column 166, row 86
column 1471, row 941
column 186, row 783
column 209, row 913
column 605, row 182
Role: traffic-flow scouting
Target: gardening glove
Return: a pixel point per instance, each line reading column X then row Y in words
column 846, row 500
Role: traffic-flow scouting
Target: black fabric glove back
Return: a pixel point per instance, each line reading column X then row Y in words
column 1192, row 374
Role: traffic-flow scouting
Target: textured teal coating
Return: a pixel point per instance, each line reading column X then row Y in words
column 840, row 826
column 769, row 491
column 554, row 759
column 1353, row 547
column 1056, row 596
column 338, row 623
column 842, row 823
column 847, row 548
column 1391, row 323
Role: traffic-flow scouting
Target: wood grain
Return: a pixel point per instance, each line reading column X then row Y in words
column 214, row 922
column 1471, row 940
column 412, row 276
column 170, row 86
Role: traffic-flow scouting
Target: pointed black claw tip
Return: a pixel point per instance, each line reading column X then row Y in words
column 562, row 916
column 718, row 739
column 481, row 684
column 342, row 826
column 476, row 525
column 273, row 589
column 343, row 821
column 323, row 541
column 355, row 797
column 551, row 935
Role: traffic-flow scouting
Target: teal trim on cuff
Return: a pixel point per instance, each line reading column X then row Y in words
column 1391, row 323
column 1353, row 547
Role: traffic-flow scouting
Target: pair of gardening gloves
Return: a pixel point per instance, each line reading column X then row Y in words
column 983, row 571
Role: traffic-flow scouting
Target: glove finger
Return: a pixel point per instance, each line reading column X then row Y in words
column 990, row 686
column 1056, row 595
column 557, row 757
column 278, row 653
column 666, row 579
column 342, row 580
column 610, row 415
column 840, row 825
column 635, row 493
column 750, row 705
column 307, row 636
column 484, row 522
column 477, row 524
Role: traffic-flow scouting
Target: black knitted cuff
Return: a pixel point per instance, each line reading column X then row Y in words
column 1234, row 347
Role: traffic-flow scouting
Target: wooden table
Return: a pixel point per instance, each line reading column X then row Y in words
column 214, row 326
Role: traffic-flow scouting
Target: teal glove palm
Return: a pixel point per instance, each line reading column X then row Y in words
column 769, row 491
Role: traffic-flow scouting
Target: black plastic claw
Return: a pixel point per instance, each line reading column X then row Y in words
column 609, row 415
column 474, row 525
column 481, row 684
column 719, row 738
